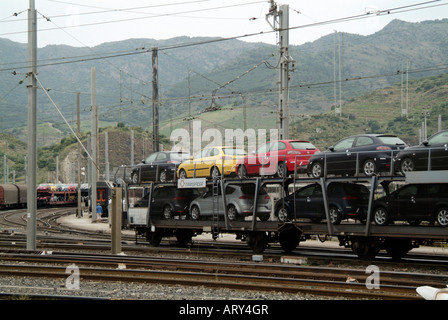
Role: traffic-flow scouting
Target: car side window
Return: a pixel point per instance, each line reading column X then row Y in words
column 409, row 191
column 306, row 191
column 363, row 141
column 161, row 156
column 281, row 145
column 274, row 146
column 344, row 144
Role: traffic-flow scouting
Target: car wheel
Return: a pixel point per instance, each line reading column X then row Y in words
column 442, row 217
column 182, row 174
column 242, row 172
column 335, row 215
column 369, row 167
column 194, row 213
column 214, row 172
column 232, row 212
column 282, row 214
column 134, row 177
column 407, row 165
column 381, row 216
column 163, row 176
column 317, row 170
column 282, row 171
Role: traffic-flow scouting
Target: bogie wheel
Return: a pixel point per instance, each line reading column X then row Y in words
column 167, row 212
column 290, row 239
column 155, row 237
column 366, row 248
column 442, row 216
column 407, row 165
column 397, row 248
column 195, row 213
column 182, row 174
column 381, row 216
column 369, row 167
column 184, row 236
column 257, row 241
column 317, row 170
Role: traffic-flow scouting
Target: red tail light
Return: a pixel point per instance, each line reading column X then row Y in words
column 173, row 161
column 180, row 198
column 350, row 198
column 246, row 197
column 267, row 197
column 383, row 148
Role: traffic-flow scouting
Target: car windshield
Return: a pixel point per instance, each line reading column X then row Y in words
column 355, row 189
column 302, row 145
column 181, row 156
column 234, row 151
column 391, row 140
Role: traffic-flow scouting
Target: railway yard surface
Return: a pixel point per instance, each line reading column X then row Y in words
column 204, row 270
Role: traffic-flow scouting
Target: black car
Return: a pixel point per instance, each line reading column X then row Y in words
column 159, row 166
column 413, row 203
column 345, row 200
column 416, row 158
column 169, row 201
column 370, row 153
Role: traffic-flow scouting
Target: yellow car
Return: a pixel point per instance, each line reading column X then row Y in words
column 211, row 162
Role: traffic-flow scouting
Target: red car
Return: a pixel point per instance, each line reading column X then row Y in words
column 276, row 158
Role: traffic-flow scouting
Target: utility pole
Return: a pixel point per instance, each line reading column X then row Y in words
column 94, row 143
column 32, row 125
column 155, row 101
column 78, row 132
column 281, row 18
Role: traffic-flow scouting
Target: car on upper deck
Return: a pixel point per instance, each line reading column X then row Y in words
column 211, row 162
column 280, row 158
column 158, row 166
column 364, row 153
column 429, row 155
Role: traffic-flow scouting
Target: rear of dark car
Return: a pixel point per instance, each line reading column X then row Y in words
column 354, row 199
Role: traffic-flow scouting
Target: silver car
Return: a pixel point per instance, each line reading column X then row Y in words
column 239, row 201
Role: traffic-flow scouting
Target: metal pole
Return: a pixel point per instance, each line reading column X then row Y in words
column 94, row 147
column 32, row 123
column 116, row 196
column 284, row 72
column 155, row 101
column 78, row 132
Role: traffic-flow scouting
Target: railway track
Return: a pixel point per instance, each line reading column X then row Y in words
column 219, row 274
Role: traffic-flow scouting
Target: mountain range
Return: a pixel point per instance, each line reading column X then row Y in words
column 195, row 74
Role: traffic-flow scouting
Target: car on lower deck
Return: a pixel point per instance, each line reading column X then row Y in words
column 345, row 200
column 414, row 203
column 169, row 201
column 240, row 201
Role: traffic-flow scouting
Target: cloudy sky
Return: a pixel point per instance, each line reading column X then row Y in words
column 91, row 22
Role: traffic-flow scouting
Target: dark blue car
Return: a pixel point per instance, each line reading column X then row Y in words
column 346, row 200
